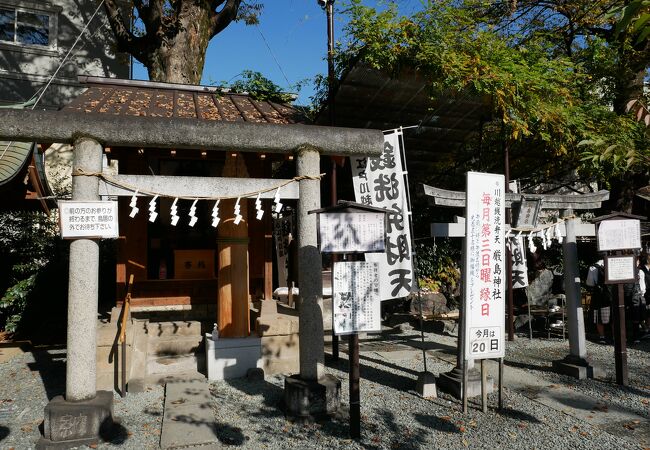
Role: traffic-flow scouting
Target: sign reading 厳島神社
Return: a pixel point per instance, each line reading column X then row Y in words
column 380, row 182
column 484, row 272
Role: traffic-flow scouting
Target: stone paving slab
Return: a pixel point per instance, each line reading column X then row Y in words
column 188, row 418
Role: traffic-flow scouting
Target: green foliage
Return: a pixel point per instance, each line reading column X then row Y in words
column 14, row 301
column 260, row 88
column 28, row 243
column 437, row 268
column 552, row 72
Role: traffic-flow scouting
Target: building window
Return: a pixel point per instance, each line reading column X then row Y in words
column 24, row 27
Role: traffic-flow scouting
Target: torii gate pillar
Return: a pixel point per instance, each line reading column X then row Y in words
column 576, row 364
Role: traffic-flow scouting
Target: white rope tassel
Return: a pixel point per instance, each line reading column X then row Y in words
column 215, row 214
column 238, row 217
column 133, row 205
column 193, row 217
column 173, row 211
column 152, row 209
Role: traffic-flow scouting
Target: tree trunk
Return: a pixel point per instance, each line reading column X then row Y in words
column 181, row 58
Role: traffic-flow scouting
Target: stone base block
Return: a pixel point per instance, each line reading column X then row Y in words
column 232, row 357
column 308, row 400
column 579, row 368
column 71, row 424
column 452, row 383
column 426, row 385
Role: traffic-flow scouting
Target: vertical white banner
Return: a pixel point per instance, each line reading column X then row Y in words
column 484, row 274
column 519, row 267
column 380, row 182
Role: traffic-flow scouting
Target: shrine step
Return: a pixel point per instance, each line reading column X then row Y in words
column 174, row 365
column 174, row 329
column 174, row 346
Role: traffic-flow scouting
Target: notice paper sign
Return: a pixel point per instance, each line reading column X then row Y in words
column 351, row 232
column 619, row 269
column 356, row 305
column 619, row 235
column 88, row 219
column 484, row 271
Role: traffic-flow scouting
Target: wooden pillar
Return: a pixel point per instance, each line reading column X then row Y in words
column 233, row 316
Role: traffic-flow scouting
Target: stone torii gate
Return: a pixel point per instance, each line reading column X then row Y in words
column 311, row 391
column 576, row 363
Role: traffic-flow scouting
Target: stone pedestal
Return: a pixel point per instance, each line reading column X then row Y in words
column 579, row 368
column 425, row 386
column 452, row 383
column 308, row 401
column 73, row 424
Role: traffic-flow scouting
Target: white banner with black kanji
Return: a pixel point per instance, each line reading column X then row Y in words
column 380, row 182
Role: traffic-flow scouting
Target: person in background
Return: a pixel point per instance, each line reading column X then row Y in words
column 635, row 303
column 644, row 266
column 601, row 298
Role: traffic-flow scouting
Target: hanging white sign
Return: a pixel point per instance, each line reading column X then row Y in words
column 380, row 182
column 356, row 306
column 88, row 219
column 484, row 267
column 619, row 235
column 353, row 232
column 519, row 267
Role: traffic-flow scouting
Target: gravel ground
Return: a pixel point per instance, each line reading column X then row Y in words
column 393, row 416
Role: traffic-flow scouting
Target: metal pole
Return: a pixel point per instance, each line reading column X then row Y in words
column 464, row 386
column 484, row 404
column 620, row 347
column 501, row 383
column 355, row 400
column 329, row 9
column 506, row 172
column 413, row 252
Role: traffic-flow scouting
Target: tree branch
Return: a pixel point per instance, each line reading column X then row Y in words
column 125, row 39
column 222, row 19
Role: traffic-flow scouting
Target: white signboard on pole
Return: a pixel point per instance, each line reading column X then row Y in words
column 484, row 273
column 353, row 232
column 78, row 220
column 619, row 235
column 380, row 182
column 356, row 306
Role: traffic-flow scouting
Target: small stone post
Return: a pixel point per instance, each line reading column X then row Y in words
column 311, row 394
column 576, row 363
column 81, row 366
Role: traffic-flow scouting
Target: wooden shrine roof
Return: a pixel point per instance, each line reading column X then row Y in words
column 153, row 99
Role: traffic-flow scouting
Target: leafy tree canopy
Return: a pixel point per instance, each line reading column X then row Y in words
column 555, row 71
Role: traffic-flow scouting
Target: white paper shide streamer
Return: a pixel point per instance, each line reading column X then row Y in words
column 133, row 205
column 174, row 210
column 152, row 209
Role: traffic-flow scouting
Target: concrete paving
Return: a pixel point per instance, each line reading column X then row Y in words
column 188, row 418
